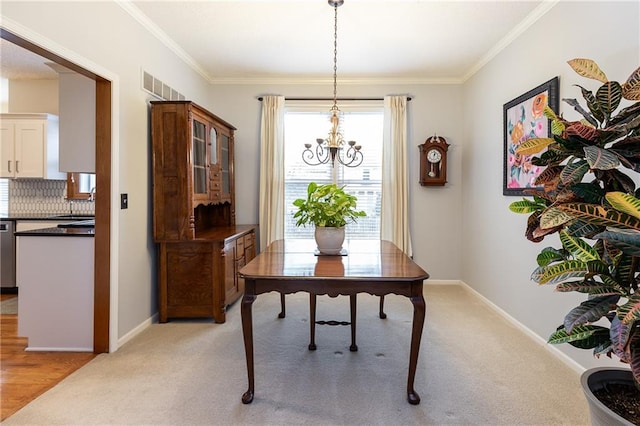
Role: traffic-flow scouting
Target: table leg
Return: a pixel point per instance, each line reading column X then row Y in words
column 247, row 333
column 283, row 312
column 352, row 301
column 382, row 314
column 312, row 321
column 416, row 335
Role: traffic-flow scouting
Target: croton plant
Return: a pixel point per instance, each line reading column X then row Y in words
column 587, row 194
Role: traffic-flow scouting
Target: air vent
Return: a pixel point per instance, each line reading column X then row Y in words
column 160, row 89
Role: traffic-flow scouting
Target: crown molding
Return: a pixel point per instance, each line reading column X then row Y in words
column 532, row 18
column 537, row 13
column 137, row 14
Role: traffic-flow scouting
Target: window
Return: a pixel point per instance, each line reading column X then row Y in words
column 364, row 124
column 80, row 186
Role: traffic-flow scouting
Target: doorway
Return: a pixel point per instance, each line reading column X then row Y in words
column 102, row 238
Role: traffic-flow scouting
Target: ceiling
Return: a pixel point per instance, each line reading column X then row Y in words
column 239, row 41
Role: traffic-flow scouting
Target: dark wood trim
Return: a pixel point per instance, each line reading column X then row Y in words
column 102, row 260
column 15, row 39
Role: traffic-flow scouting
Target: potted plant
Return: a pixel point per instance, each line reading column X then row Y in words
column 329, row 208
column 589, row 197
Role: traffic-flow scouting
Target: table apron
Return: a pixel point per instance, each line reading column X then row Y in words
column 337, row 287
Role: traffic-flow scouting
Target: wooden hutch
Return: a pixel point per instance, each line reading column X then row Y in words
column 201, row 248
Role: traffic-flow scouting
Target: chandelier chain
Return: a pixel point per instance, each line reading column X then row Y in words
column 331, row 149
column 335, row 57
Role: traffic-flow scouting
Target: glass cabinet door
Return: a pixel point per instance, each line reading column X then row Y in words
column 224, row 165
column 199, row 158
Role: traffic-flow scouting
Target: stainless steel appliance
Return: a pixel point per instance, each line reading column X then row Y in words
column 7, row 254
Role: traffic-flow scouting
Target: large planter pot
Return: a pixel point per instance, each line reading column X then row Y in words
column 597, row 378
column 329, row 239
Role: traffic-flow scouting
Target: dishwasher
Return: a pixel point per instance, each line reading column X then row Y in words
column 7, row 254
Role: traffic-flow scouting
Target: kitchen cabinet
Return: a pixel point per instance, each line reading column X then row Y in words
column 77, row 111
column 201, row 249
column 29, row 146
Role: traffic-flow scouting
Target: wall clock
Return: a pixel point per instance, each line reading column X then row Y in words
column 433, row 161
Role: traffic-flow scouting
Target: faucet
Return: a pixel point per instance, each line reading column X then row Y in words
column 92, row 194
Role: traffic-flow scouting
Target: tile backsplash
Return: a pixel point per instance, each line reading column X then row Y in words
column 44, row 196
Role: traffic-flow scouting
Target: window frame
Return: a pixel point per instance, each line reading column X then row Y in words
column 323, row 107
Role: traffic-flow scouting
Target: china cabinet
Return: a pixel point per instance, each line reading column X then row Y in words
column 201, row 248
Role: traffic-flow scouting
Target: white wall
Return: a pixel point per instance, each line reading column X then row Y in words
column 435, row 211
column 497, row 259
column 33, row 96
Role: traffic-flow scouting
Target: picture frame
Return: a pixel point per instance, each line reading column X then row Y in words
column 523, row 119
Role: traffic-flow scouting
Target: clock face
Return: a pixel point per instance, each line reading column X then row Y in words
column 434, row 156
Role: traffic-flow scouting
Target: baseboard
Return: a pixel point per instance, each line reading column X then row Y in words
column 137, row 330
column 442, row 282
column 571, row 363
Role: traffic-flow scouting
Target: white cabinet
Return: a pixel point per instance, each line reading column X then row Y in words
column 77, row 109
column 29, row 146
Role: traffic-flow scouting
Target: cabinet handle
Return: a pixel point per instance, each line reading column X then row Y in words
column 9, row 165
column 17, row 168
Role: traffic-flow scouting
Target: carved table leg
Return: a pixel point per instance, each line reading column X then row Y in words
column 312, row 321
column 352, row 301
column 283, row 312
column 247, row 333
column 416, row 335
column 382, row 314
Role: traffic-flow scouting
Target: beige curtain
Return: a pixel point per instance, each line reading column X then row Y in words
column 394, row 216
column 271, row 215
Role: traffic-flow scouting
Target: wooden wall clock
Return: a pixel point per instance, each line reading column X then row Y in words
column 433, row 161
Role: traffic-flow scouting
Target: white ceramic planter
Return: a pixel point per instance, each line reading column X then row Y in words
column 329, row 239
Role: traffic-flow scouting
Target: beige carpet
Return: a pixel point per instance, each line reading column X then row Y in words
column 474, row 369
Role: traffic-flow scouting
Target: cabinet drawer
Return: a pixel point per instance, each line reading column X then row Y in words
column 240, row 247
column 249, row 239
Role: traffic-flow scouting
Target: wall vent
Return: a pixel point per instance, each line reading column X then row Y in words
column 160, row 89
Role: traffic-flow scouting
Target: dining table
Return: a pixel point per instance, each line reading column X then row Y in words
column 376, row 267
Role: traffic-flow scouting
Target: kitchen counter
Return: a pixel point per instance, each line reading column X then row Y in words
column 58, row 232
column 46, row 216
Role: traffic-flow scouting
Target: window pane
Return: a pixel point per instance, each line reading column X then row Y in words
column 364, row 181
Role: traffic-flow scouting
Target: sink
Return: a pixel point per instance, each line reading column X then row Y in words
column 79, row 224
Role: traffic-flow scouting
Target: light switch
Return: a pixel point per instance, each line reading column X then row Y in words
column 124, row 201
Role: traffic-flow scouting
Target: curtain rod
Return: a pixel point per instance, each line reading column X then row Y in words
column 260, row 98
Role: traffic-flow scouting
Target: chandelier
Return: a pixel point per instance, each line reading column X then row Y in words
column 331, row 148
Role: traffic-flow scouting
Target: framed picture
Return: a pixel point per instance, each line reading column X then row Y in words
column 523, row 119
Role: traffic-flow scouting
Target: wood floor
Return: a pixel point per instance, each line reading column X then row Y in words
column 26, row 375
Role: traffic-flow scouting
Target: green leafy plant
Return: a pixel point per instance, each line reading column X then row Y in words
column 588, row 196
column 327, row 205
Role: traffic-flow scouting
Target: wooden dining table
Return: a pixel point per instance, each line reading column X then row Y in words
column 375, row 267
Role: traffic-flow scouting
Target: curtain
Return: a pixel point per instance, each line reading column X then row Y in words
column 271, row 214
column 394, row 215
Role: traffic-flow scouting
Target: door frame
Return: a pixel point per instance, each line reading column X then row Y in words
column 102, row 238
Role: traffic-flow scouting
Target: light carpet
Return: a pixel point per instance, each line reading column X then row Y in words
column 9, row 306
column 474, row 369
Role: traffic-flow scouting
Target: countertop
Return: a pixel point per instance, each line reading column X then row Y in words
column 53, row 231
column 57, row 232
column 46, row 216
